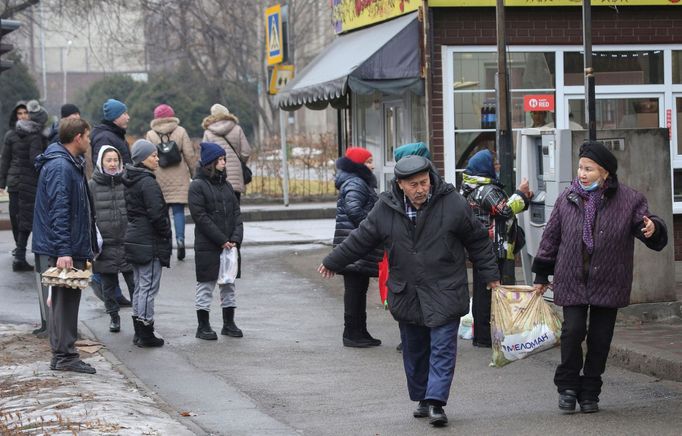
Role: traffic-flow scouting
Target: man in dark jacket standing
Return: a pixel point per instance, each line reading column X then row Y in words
column 112, row 131
column 425, row 226
column 63, row 234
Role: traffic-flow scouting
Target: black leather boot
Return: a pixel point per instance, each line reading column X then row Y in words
column 567, row 400
column 181, row 249
column 229, row 327
column 352, row 333
column 20, row 263
column 115, row 324
column 147, row 337
column 589, row 402
column 204, row 331
column 136, row 326
column 373, row 341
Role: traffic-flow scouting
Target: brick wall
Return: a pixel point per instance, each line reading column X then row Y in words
column 545, row 26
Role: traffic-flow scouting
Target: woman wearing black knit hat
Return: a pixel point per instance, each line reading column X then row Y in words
column 588, row 246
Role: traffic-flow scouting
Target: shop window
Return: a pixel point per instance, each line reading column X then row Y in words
column 618, row 113
column 368, row 120
column 616, row 68
column 677, row 185
column 677, row 66
column 475, row 111
column 418, row 107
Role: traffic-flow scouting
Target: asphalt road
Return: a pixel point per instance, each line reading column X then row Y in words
column 290, row 375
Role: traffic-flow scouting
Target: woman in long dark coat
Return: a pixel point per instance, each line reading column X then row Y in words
column 218, row 225
column 18, row 175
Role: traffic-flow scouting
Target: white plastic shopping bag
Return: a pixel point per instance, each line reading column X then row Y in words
column 466, row 324
column 228, row 266
column 522, row 324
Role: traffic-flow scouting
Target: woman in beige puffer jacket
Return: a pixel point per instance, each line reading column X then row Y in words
column 218, row 126
column 174, row 180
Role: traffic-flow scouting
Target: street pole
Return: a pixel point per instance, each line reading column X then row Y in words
column 590, row 108
column 503, row 126
column 42, row 50
column 285, row 165
column 66, row 56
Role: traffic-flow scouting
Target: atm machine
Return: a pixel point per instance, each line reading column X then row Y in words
column 545, row 158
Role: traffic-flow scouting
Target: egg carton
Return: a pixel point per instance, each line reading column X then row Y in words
column 68, row 278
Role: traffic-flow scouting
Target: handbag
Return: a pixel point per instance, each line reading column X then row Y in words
column 169, row 153
column 246, row 171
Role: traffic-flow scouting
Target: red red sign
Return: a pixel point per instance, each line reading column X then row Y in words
column 669, row 123
column 538, row 102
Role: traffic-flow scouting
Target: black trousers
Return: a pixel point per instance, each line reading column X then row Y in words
column 355, row 298
column 14, row 213
column 481, row 301
column 599, row 334
column 109, row 285
column 20, row 236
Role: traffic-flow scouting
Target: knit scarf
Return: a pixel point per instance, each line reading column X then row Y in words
column 591, row 201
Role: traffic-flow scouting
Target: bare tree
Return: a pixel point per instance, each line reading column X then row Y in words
column 11, row 8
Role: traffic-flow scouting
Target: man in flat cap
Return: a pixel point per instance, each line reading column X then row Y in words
column 425, row 225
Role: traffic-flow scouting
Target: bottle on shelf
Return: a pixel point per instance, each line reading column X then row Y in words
column 484, row 116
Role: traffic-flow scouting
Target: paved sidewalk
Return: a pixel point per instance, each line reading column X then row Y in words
column 36, row 400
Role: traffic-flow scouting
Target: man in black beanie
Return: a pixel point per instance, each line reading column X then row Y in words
column 68, row 110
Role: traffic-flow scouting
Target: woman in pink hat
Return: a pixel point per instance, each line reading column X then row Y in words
column 176, row 166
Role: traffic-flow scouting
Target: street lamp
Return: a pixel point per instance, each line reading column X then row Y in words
column 66, row 55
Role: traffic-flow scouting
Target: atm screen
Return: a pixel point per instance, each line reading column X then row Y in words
column 540, row 168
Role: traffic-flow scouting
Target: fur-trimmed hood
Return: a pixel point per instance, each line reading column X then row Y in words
column 26, row 127
column 348, row 169
column 227, row 120
column 164, row 125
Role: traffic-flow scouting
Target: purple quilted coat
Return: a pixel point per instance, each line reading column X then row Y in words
column 605, row 278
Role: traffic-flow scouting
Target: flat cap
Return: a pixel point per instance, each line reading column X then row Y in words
column 411, row 165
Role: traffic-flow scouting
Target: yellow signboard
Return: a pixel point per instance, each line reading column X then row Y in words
column 281, row 75
column 274, row 50
column 487, row 3
column 354, row 14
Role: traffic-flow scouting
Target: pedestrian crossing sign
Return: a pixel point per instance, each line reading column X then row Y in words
column 273, row 35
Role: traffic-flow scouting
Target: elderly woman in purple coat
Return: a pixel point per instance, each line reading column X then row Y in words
column 588, row 246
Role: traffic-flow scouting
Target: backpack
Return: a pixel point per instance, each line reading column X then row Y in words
column 169, row 153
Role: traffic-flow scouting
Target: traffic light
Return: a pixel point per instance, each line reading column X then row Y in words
column 6, row 26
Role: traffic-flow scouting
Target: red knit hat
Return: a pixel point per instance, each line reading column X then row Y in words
column 163, row 111
column 358, row 155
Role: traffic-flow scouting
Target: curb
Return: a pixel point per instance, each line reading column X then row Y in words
column 190, row 424
column 646, row 360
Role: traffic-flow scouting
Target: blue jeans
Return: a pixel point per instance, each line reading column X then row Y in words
column 97, row 278
column 429, row 355
column 179, row 220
